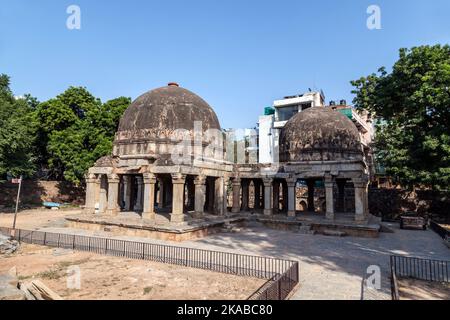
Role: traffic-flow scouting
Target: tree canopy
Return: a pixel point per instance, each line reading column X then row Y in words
column 17, row 132
column 56, row 139
column 412, row 105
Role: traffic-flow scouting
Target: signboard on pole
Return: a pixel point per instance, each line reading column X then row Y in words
column 16, row 181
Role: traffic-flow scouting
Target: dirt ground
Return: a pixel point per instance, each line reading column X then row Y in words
column 412, row 289
column 37, row 218
column 104, row 277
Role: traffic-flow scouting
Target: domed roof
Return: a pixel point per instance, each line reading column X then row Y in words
column 168, row 108
column 319, row 134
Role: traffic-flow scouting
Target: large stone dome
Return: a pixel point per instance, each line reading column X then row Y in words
column 170, row 107
column 319, row 134
column 159, row 119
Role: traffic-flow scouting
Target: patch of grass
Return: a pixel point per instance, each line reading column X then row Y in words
column 21, row 278
column 50, row 274
column 147, row 290
column 66, row 264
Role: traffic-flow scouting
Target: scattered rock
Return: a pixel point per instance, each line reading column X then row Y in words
column 9, row 288
column 7, row 245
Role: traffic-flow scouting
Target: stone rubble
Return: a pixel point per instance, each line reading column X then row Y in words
column 7, row 245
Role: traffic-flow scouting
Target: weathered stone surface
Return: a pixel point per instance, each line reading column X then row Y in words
column 8, row 280
column 319, row 134
column 11, row 293
column 7, row 246
column 9, row 289
column 169, row 107
column 334, row 233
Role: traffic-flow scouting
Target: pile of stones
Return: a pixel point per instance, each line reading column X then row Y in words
column 7, row 245
column 9, row 287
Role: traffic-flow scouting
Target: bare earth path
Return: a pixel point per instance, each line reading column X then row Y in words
column 105, row 277
column 330, row 268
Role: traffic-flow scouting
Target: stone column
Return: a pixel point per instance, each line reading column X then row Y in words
column 97, row 193
column 245, row 194
column 148, row 211
column 127, row 193
column 200, row 195
column 329, row 197
column 138, row 205
column 291, row 183
column 113, row 194
column 360, row 198
column 340, row 204
column 236, row 195
column 276, row 197
column 103, row 199
column 268, row 196
column 310, row 183
column 89, row 206
column 177, row 215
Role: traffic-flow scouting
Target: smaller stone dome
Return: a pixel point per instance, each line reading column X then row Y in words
column 320, row 134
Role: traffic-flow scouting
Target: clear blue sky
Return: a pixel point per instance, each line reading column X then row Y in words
column 238, row 55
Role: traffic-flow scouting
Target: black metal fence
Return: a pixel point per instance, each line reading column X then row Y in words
column 278, row 287
column 282, row 274
column 441, row 231
column 416, row 268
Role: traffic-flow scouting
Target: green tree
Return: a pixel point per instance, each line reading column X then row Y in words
column 75, row 130
column 413, row 140
column 17, row 132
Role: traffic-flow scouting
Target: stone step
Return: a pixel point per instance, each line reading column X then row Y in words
column 305, row 229
column 334, row 233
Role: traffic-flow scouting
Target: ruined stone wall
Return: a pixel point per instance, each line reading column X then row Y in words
column 391, row 203
column 35, row 192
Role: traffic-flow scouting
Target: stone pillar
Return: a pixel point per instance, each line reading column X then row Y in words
column 291, row 183
column 148, row 211
column 89, row 206
column 329, row 197
column 113, row 194
column 177, row 215
column 127, row 193
column 138, row 205
column 360, row 199
column 257, row 194
column 268, row 196
column 103, row 199
column 276, row 197
column 236, row 195
column 310, row 183
column 245, row 194
column 200, row 195
column 97, row 193
column 340, row 204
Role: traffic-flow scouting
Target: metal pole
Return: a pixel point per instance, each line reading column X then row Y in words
column 17, row 206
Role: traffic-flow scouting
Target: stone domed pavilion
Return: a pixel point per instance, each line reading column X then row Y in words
column 169, row 158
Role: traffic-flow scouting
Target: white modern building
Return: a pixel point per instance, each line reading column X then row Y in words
column 273, row 121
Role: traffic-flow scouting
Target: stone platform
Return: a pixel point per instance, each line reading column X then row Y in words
column 131, row 224
column 342, row 224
